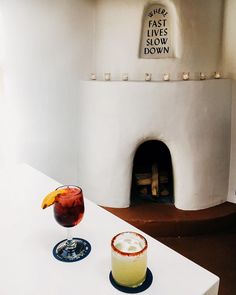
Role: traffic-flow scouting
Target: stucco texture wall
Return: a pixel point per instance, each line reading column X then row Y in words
column 197, row 31
column 46, row 47
column 229, row 67
column 116, row 117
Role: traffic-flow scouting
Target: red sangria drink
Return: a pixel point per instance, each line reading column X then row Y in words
column 69, row 207
column 68, row 204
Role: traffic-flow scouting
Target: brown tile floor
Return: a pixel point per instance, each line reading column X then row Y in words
column 207, row 237
column 215, row 252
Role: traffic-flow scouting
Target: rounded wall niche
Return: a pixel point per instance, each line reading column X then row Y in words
column 157, row 31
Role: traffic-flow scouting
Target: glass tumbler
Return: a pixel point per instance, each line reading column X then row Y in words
column 129, row 259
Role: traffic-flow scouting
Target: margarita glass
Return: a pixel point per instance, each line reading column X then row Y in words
column 129, row 259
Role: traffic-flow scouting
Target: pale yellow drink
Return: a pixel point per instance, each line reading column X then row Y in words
column 129, row 259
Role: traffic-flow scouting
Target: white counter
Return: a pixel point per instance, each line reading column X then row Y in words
column 29, row 233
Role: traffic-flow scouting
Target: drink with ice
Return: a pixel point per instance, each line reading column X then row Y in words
column 68, row 204
column 69, row 207
column 129, row 259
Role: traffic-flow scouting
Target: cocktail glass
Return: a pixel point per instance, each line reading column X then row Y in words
column 129, row 259
column 68, row 212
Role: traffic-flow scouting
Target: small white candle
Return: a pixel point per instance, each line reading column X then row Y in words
column 124, row 77
column 202, row 76
column 166, row 77
column 148, row 76
column 217, row 75
column 93, row 76
column 107, row 76
column 185, row 76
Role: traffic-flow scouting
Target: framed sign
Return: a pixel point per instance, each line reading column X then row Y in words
column 156, row 33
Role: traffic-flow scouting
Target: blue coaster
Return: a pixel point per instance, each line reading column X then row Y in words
column 61, row 255
column 145, row 285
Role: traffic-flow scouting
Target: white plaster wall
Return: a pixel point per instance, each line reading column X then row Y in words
column 192, row 118
column 198, row 30
column 229, row 67
column 46, row 47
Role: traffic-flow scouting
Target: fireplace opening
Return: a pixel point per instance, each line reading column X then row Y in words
column 152, row 176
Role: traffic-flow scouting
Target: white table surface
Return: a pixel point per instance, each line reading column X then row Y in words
column 28, row 234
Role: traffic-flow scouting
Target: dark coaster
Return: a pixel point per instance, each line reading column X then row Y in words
column 145, row 285
column 84, row 252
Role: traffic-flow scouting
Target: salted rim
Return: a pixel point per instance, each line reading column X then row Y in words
column 129, row 253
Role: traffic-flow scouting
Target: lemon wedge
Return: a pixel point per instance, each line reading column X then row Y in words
column 50, row 198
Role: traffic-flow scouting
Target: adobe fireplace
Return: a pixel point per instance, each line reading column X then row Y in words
column 192, row 118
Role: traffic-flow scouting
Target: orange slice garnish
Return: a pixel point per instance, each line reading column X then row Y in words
column 50, row 198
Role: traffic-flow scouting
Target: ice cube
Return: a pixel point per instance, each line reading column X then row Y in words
column 132, row 249
column 119, row 246
column 128, row 241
